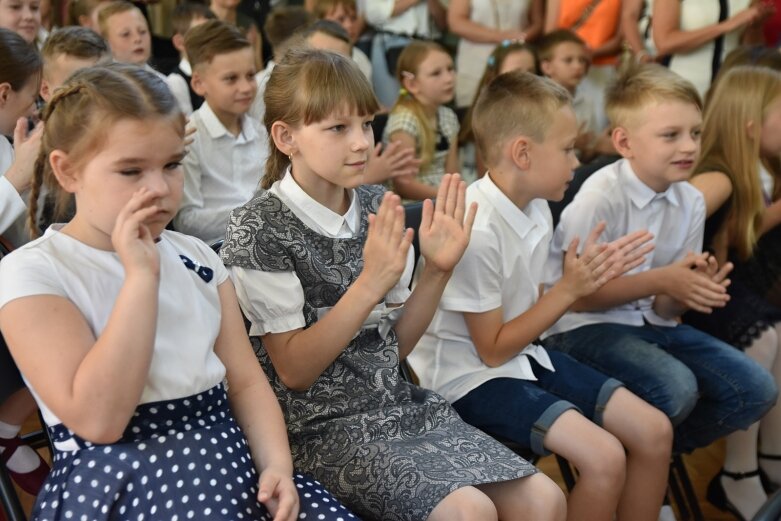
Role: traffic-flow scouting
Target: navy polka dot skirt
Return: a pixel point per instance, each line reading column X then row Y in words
column 177, row 460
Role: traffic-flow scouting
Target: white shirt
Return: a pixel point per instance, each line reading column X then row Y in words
column 258, row 108
column 362, row 61
column 501, row 268
column 222, row 172
column 179, row 88
column 616, row 195
column 412, row 22
column 12, row 205
column 273, row 302
column 183, row 362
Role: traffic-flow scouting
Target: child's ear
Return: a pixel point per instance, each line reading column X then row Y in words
column 45, row 91
column 283, row 137
column 5, row 91
column 751, row 130
column 408, row 81
column 519, row 152
column 620, row 139
column 546, row 67
column 63, row 170
column 178, row 41
column 196, row 82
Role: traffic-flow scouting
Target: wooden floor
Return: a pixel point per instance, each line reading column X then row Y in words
column 702, row 465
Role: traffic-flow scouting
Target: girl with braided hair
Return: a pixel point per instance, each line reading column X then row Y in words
column 125, row 331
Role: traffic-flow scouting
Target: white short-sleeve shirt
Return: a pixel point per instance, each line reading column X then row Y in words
column 13, row 207
column 189, row 311
column 273, row 302
column 222, row 171
column 614, row 194
column 502, row 267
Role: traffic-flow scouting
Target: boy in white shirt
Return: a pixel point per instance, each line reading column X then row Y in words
column 479, row 351
column 630, row 327
column 126, row 31
column 225, row 162
column 184, row 17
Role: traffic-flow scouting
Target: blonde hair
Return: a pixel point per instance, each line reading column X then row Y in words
column 307, row 86
column 408, row 64
column 492, row 67
column 639, row 85
column 80, row 112
column 323, row 7
column 515, row 103
column 741, row 96
column 112, row 8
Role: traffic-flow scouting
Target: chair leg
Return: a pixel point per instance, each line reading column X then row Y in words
column 9, row 498
column 686, row 497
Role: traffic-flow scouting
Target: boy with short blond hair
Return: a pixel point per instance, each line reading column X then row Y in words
column 67, row 50
column 630, row 327
column 225, row 162
column 185, row 16
column 345, row 13
column 480, row 351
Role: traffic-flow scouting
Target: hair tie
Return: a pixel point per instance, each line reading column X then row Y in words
column 403, row 91
column 491, row 60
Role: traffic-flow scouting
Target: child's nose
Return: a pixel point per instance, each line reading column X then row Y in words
column 157, row 184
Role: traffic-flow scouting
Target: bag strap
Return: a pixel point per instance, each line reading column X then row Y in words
column 585, row 15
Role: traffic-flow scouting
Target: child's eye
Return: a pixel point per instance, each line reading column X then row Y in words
column 696, row 134
column 130, row 171
column 669, row 135
column 337, row 128
column 173, row 165
column 368, row 124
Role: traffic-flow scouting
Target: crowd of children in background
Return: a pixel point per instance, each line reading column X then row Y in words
column 265, row 381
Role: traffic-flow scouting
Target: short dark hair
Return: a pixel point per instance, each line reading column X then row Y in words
column 185, row 13
column 284, row 22
column 328, row 27
column 204, row 42
column 19, row 60
column 548, row 43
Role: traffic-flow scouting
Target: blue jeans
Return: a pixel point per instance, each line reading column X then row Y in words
column 707, row 388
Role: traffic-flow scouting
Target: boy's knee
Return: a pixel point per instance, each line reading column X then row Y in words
column 657, row 434
column 606, row 463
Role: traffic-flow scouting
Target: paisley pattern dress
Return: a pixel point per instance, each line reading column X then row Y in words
column 388, row 449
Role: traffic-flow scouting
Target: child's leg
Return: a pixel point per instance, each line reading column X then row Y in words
column 599, row 458
column 535, row 497
column 466, row 503
column 647, row 435
column 770, row 426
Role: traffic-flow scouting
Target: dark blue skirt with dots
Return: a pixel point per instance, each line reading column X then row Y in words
column 177, row 460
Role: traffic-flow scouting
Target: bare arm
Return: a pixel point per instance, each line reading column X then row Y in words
column 257, row 410
column 93, row 385
column 438, row 13
column 716, row 189
column 409, row 187
column 460, row 23
column 300, row 356
column 552, row 8
column 670, row 39
column 630, row 15
column 536, row 20
column 451, row 161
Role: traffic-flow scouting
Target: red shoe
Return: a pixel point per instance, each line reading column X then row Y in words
column 31, row 482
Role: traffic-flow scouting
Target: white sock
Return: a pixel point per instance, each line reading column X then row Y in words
column 747, row 494
column 24, row 459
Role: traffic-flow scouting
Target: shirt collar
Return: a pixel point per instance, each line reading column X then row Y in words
column 185, row 67
column 640, row 193
column 520, row 222
column 331, row 222
column 216, row 129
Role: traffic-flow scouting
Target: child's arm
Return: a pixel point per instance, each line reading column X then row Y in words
column 715, row 187
column 94, row 385
column 451, row 161
column 301, row 355
column 409, row 187
column 444, row 235
column 696, row 282
column 497, row 341
column 257, row 411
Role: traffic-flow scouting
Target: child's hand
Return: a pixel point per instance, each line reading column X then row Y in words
column 693, row 282
column 585, row 273
column 26, row 150
column 278, row 494
column 387, row 244
column 189, row 131
column 444, row 233
column 131, row 237
column 630, row 251
column 395, row 160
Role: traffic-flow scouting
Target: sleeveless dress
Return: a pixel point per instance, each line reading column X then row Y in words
column 386, row 448
column 747, row 315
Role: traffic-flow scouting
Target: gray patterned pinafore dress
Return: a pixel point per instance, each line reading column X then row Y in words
column 388, row 449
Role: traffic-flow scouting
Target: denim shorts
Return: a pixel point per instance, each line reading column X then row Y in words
column 523, row 411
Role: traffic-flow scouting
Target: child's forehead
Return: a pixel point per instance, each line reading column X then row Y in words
column 125, row 18
column 568, row 48
column 341, row 9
